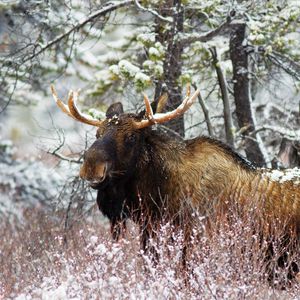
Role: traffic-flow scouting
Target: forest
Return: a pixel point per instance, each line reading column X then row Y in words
column 232, row 71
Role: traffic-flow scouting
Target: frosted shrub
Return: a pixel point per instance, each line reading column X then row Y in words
column 224, row 261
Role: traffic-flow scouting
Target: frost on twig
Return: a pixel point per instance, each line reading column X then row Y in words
column 61, row 143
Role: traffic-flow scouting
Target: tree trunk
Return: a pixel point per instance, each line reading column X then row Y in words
column 173, row 62
column 288, row 155
column 242, row 95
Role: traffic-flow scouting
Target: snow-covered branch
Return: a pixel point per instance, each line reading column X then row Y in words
column 101, row 12
column 153, row 12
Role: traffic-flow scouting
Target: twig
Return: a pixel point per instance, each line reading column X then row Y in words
column 171, row 131
column 242, row 130
column 57, row 154
column 280, row 60
column 65, row 158
column 205, row 112
column 11, row 94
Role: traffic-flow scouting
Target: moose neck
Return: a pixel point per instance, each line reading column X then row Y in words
column 195, row 170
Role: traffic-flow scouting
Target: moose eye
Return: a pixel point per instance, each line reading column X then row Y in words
column 98, row 135
column 130, row 139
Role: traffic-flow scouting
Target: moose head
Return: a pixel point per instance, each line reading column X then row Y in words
column 115, row 153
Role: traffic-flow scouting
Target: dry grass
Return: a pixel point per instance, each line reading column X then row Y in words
column 226, row 262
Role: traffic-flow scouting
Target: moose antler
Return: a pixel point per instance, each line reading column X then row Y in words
column 159, row 118
column 72, row 110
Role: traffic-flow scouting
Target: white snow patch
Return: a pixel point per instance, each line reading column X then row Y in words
column 284, row 175
column 153, row 51
column 142, row 77
column 128, row 68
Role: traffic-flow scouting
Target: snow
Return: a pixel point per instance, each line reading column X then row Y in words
column 25, row 184
column 28, row 183
column 284, row 175
column 127, row 68
column 146, row 38
column 154, row 52
column 114, row 69
column 139, row 76
column 89, row 58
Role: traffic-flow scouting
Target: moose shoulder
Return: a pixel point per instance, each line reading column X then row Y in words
column 145, row 175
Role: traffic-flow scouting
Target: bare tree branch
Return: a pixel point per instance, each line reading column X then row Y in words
column 2, row 109
column 205, row 112
column 280, row 60
column 56, row 153
column 65, row 158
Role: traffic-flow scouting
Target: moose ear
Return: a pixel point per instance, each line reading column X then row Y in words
column 157, row 106
column 161, row 103
column 114, row 109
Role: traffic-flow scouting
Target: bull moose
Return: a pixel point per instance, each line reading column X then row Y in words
column 143, row 174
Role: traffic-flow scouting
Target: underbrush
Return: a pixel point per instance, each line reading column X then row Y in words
column 39, row 259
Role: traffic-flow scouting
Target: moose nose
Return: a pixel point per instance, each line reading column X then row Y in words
column 95, row 173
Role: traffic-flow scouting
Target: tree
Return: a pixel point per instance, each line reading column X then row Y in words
column 241, row 91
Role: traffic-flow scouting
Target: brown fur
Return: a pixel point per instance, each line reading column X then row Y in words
column 154, row 178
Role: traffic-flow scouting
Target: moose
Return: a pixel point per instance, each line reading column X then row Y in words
column 143, row 174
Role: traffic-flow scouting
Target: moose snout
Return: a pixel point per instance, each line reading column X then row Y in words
column 95, row 173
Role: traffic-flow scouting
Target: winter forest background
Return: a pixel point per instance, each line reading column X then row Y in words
column 244, row 57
